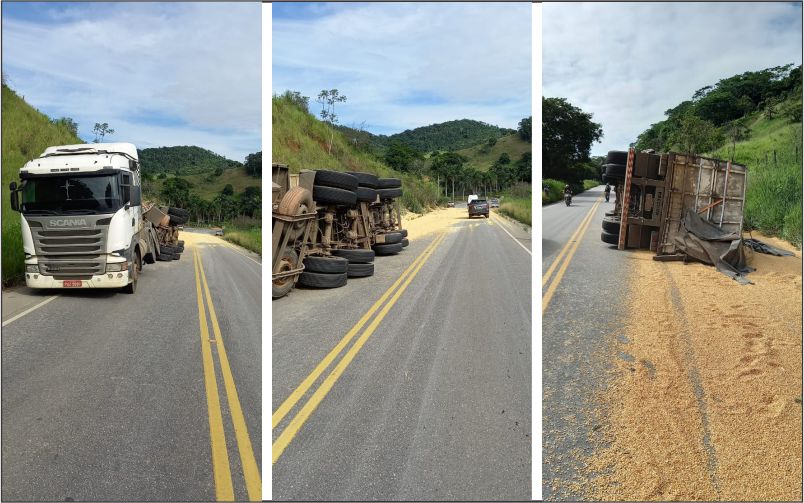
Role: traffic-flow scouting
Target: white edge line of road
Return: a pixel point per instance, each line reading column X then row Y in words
column 232, row 247
column 29, row 310
column 502, row 226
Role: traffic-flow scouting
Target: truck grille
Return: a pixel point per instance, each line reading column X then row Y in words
column 70, row 253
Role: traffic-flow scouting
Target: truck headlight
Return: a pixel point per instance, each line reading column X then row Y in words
column 116, row 267
column 32, row 268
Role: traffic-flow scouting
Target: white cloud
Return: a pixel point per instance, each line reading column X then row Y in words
column 629, row 62
column 159, row 74
column 470, row 60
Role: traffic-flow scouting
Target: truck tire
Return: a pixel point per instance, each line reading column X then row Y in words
column 320, row 280
column 392, row 238
column 326, row 265
column 365, row 179
column 332, row 195
column 404, row 232
column 355, row 256
column 296, row 201
column 390, row 249
column 181, row 243
column 164, row 256
column 287, row 262
column 135, row 274
column 150, row 257
column 405, row 243
column 335, row 179
column 615, row 170
column 611, row 225
column 168, row 248
column 617, row 157
column 179, row 212
column 358, row 270
column 608, row 237
column 389, row 193
column 614, row 180
column 388, row 183
column 178, row 220
column 366, row 195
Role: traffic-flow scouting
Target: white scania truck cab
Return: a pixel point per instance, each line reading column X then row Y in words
column 81, row 211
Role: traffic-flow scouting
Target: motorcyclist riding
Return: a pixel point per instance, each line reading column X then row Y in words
column 607, row 190
column 567, row 194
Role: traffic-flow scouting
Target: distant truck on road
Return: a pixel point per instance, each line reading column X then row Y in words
column 84, row 224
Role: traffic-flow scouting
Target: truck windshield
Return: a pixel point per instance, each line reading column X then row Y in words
column 71, row 194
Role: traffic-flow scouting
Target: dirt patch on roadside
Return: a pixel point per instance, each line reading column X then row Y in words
column 198, row 238
column 705, row 396
column 441, row 219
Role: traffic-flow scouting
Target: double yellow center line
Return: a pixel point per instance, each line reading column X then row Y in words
column 224, row 490
column 565, row 256
column 296, row 423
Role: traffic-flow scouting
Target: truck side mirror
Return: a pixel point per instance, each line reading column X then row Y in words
column 15, row 200
column 136, row 196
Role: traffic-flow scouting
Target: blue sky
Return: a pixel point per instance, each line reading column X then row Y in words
column 403, row 66
column 629, row 62
column 160, row 74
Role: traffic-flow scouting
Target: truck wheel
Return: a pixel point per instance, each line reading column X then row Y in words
column 387, row 249
column 357, row 270
column 335, row 179
column 355, row 256
column 164, row 256
column 176, row 256
column 181, row 243
column 326, row 265
column 365, row 179
column 321, row 280
column 287, row 262
column 405, row 243
column 611, row 225
column 181, row 212
column 296, row 201
column 331, row 195
column 135, row 274
column 404, row 232
column 617, row 157
column 366, row 195
column 388, row 183
column 178, row 220
column 608, row 237
column 389, row 193
column 392, row 238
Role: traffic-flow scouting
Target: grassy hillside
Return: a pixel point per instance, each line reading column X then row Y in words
column 481, row 157
column 301, row 141
column 183, row 160
column 207, row 186
column 773, row 196
column 26, row 134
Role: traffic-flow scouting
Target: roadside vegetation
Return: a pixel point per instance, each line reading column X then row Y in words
column 249, row 238
column 26, row 134
column 753, row 119
column 516, row 203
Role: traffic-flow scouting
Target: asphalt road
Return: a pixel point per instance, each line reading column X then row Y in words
column 436, row 403
column 581, row 313
column 104, row 394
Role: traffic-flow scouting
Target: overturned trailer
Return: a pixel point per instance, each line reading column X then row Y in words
column 328, row 226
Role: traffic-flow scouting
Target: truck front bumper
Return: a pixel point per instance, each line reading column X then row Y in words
column 107, row 280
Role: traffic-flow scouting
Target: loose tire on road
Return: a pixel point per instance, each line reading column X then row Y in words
column 611, row 225
column 388, row 183
column 389, row 249
column 617, row 157
column 321, row 280
column 326, row 265
column 331, row 195
column 335, row 179
column 366, row 195
column 280, row 287
column 389, row 193
column 365, row 179
column 405, row 243
column 296, row 201
column 355, row 256
column 608, row 237
column 358, row 270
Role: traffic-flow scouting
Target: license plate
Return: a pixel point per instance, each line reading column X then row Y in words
column 72, row 283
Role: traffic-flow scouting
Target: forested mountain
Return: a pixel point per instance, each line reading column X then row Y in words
column 451, row 135
column 183, row 160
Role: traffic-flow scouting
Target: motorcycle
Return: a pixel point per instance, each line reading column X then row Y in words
column 607, row 197
column 568, row 198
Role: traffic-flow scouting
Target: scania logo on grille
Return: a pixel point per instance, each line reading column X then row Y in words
column 68, row 222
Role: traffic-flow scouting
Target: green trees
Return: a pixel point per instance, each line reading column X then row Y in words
column 253, row 164
column 567, row 136
column 183, row 160
column 176, row 191
column 400, row 156
column 524, row 129
column 328, row 99
column 101, row 130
